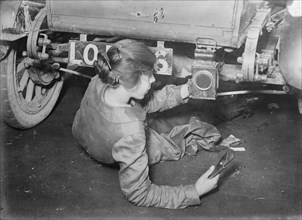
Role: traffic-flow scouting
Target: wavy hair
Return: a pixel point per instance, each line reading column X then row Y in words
column 124, row 62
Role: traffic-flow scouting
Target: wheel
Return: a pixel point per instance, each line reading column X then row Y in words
column 24, row 103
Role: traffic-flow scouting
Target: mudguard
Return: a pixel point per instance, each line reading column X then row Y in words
column 8, row 15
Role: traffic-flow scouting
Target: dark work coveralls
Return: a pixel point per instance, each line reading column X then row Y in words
column 119, row 134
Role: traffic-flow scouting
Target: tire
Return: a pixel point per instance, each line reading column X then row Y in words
column 26, row 106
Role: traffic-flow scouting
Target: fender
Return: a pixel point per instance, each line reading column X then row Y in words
column 16, row 18
column 290, row 50
column 8, row 14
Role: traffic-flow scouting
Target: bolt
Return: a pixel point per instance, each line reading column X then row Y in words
column 286, row 89
column 55, row 66
column 47, row 42
column 239, row 59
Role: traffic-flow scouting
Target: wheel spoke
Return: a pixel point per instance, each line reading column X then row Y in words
column 23, row 81
column 20, row 66
column 38, row 90
column 29, row 90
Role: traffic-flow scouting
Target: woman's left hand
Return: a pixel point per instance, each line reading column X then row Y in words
column 184, row 91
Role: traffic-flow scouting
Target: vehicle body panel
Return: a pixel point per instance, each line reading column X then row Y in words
column 181, row 21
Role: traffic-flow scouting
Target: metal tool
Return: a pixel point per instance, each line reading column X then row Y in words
column 222, row 163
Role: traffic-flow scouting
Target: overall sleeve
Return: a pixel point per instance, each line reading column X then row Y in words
column 134, row 179
column 166, row 98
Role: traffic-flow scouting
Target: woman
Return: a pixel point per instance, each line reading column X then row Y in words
column 111, row 126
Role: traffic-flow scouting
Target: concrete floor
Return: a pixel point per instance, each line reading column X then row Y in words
column 45, row 174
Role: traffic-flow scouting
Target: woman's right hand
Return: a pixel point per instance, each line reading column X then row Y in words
column 204, row 184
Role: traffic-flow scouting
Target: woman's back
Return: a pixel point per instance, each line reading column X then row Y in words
column 98, row 126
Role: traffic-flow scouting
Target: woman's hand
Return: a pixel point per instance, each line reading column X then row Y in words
column 184, row 91
column 204, row 184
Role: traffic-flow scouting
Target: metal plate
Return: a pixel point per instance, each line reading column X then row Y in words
column 84, row 53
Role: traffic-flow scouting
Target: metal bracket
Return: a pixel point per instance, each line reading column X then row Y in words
column 164, row 59
column 204, row 70
column 43, row 42
column 205, row 49
column 248, row 57
column 83, row 37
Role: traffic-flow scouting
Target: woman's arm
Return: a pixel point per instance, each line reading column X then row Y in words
column 134, row 179
column 168, row 97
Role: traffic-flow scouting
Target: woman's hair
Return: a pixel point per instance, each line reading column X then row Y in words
column 124, row 62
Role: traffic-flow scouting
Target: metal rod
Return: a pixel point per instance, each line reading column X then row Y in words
column 75, row 73
column 274, row 92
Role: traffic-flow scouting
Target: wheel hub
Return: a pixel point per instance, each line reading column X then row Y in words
column 41, row 76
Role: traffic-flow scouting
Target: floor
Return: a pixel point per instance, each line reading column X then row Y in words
column 46, row 175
